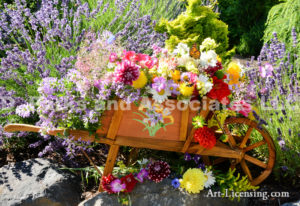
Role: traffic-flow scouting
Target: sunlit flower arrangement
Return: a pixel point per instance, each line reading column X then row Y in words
column 105, row 71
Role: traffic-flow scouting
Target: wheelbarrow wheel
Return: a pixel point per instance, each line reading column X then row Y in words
column 257, row 147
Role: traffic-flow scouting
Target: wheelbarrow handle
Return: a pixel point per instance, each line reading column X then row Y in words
column 21, row 128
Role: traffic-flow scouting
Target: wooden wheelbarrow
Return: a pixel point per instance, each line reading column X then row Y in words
column 133, row 128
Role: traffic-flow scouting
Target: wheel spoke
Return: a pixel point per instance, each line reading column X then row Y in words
column 248, row 133
column 231, row 140
column 257, row 144
column 246, row 170
column 255, row 161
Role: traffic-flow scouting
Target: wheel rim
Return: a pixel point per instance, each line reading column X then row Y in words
column 248, row 144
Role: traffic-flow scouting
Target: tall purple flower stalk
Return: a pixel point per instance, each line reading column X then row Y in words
column 35, row 45
column 276, row 85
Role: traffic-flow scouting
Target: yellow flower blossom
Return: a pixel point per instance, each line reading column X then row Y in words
column 234, row 71
column 141, row 81
column 193, row 180
column 201, row 88
column 176, row 75
column 186, row 90
column 191, row 67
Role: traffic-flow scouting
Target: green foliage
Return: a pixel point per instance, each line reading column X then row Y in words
column 31, row 4
column 281, row 19
column 193, row 26
column 233, row 183
column 246, row 23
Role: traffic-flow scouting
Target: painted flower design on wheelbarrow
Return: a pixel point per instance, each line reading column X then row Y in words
column 154, row 117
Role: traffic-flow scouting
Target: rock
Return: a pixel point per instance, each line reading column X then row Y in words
column 297, row 203
column 38, row 182
column 161, row 194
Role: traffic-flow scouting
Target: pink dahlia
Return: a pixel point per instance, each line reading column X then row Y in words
column 159, row 170
column 127, row 72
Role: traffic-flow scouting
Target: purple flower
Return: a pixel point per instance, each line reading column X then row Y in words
column 156, row 49
column 201, row 166
column 173, row 87
column 284, row 168
column 279, row 131
column 266, row 70
column 143, row 174
column 197, row 158
column 159, row 83
column 25, row 110
column 175, row 183
column 281, row 143
column 187, row 157
column 117, row 186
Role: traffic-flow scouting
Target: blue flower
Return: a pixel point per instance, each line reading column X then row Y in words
column 111, row 39
column 175, row 183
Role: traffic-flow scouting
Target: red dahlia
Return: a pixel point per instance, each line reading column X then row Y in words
column 206, row 137
column 129, row 181
column 105, row 183
column 159, row 170
column 220, row 91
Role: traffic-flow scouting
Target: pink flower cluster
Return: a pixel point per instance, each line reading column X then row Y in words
column 242, row 107
column 156, row 171
column 128, row 68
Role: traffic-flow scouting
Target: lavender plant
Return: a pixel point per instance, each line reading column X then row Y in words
column 43, row 42
column 276, row 83
column 134, row 20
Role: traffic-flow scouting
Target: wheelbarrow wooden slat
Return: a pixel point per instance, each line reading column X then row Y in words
column 122, row 128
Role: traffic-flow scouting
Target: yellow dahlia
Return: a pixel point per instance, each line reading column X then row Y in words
column 186, row 90
column 193, row 180
column 141, row 81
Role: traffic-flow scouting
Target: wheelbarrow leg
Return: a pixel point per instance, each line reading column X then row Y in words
column 110, row 162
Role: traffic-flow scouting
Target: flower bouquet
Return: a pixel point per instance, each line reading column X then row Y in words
column 153, row 89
